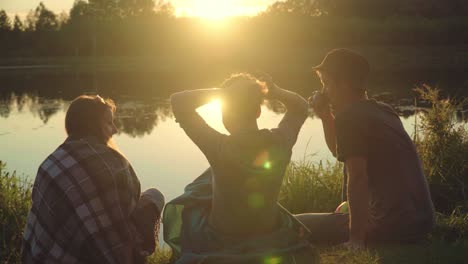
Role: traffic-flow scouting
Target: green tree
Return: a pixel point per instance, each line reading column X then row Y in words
column 17, row 24
column 5, row 23
column 45, row 19
column 131, row 8
column 385, row 8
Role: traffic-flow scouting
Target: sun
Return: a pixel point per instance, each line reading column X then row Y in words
column 213, row 9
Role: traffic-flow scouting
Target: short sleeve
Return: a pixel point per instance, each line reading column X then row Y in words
column 351, row 136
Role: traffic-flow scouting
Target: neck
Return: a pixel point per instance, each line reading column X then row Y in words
column 244, row 127
column 350, row 100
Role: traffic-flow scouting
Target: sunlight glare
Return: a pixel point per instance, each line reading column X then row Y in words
column 214, row 9
column 212, row 114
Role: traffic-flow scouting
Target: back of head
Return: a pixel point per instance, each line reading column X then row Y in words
column 344, row 65
column 85, row 115
column 242, row 96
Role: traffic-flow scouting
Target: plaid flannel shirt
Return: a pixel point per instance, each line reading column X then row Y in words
column 83, row 198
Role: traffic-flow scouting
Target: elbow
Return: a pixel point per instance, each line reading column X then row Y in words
column 175, row 100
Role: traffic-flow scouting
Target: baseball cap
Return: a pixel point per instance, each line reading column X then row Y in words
column 344, row 63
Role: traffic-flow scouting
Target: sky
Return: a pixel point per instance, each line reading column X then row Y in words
column 203, row 8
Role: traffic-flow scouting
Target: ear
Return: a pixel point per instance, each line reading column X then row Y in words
column 259, row 111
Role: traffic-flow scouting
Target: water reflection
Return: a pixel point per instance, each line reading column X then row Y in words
column 37, row 106
column 133, row 118
column 136, row 117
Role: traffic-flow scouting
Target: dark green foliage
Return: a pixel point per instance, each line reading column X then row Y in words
column 146, row 27
column 5, row 23
column 443, row 147
column 15, row 202
column 18, row 25
column 45, row 19
column 385, row 8
column 452, row 229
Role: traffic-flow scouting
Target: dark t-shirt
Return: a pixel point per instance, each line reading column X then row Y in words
column 248, row 170
column 399, row 200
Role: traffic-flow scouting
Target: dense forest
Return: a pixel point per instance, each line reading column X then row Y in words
column 148, row 27
column 406, row 41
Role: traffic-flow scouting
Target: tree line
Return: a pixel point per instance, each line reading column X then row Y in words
column 150, row 27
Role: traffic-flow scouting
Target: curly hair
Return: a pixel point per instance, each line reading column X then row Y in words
column 243, row 94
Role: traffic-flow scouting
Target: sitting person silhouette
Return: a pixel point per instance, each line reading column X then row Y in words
column 86, row 202
column 230, row 213
column 387, row 192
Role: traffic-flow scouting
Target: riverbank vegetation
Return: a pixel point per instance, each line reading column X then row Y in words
column 15, row 202
column 316, row 187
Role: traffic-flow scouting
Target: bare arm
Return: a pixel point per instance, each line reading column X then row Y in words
column 184, row 105
column 296, row 112
column 358, row 196
column 319, row 102
column 294, row 103
column 189, row 101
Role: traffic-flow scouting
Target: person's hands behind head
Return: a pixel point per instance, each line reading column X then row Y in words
column 320, row 103
column 270, row 86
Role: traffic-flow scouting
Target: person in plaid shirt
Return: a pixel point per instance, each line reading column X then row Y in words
column 86, row 202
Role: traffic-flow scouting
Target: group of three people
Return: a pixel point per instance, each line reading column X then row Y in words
column 88, row 207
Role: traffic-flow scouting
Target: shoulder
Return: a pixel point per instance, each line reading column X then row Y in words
column 357, row 114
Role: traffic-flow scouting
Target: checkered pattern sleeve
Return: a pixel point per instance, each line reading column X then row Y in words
column 83, row 197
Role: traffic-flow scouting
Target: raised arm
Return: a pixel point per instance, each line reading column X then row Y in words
column 184, row 105
column 296, row 110
column 189, row 101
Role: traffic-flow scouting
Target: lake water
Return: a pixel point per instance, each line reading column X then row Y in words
column 31, row 127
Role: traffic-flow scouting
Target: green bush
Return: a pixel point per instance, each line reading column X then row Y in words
column 443, row 147
column 15, row 202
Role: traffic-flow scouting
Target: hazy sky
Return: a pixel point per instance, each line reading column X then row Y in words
column 184, row 7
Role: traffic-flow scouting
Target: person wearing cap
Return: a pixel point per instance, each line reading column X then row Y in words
column 384, row 184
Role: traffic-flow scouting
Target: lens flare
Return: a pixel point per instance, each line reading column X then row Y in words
column 263, row 160
column 272, row 260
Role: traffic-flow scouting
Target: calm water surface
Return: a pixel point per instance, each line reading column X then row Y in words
column 162, row 155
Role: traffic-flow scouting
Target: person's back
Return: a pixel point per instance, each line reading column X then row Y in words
column 86, row 203
column 230, row 213
column 399, row 199
column 248, row 173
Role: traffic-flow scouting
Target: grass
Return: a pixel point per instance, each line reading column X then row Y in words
column 15, row 202
column 443, row 147
column 316, row 187
column 312, row 187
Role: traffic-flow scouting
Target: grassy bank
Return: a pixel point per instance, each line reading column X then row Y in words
column 15, row 202
column 316, row 187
